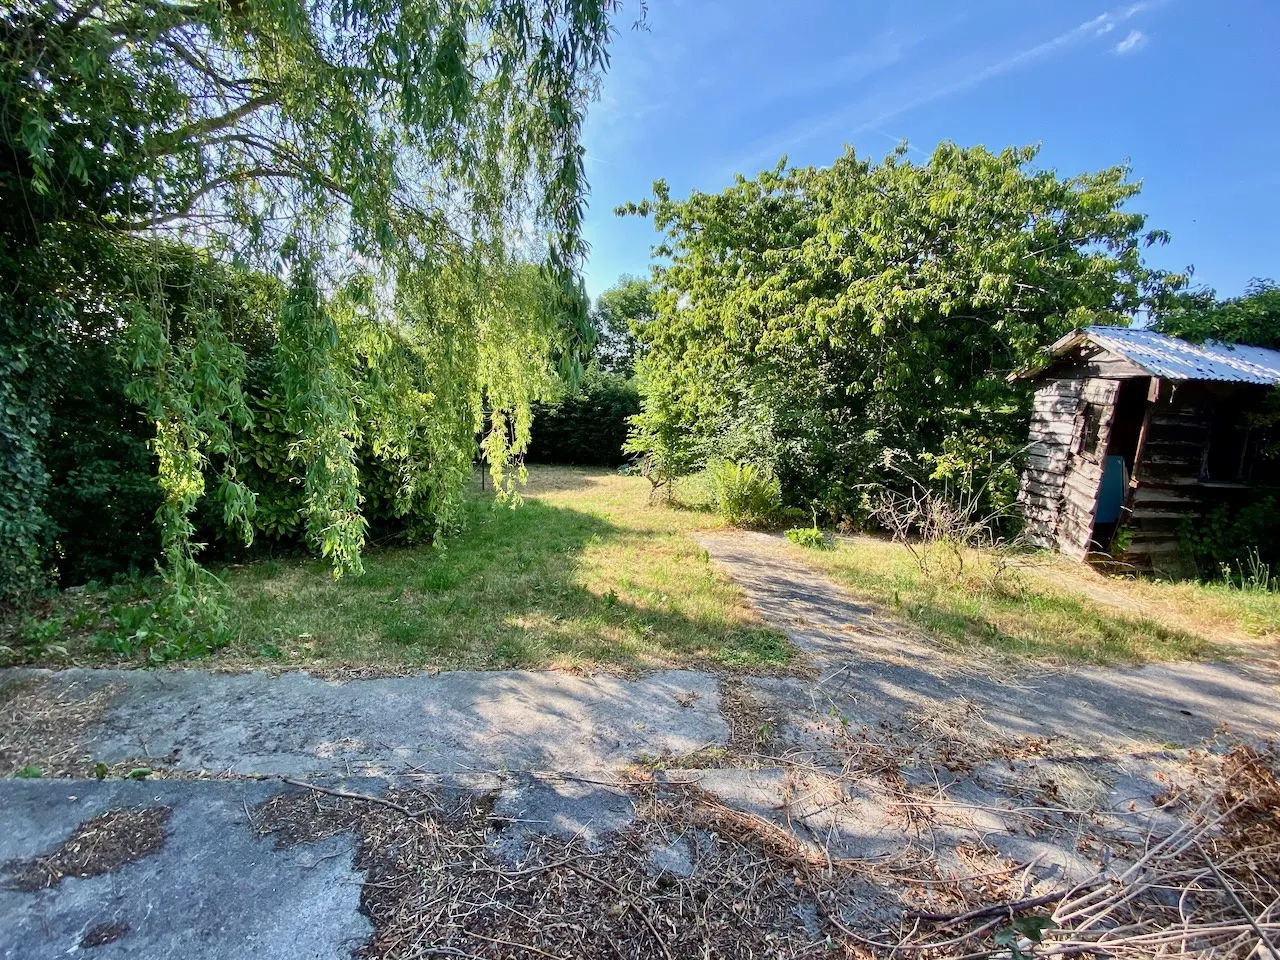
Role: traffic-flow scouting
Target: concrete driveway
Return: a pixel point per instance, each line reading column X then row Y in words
column 556, row 753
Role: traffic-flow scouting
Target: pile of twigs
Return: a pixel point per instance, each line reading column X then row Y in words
column 444, row 879
column 1210, row 888
column 692, row 877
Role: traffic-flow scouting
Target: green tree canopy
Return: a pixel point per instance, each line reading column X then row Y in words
column 821, row 319
column 619, row 315
column 1252, row 319
column 387, row 163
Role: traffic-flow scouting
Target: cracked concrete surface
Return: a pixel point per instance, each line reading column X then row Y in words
column 453, row 723
column 214, row 891
column 549, row 745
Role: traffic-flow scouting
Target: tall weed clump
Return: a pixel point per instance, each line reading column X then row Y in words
column 744, row 494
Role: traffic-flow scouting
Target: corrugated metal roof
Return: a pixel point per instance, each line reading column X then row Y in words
column 1175, row 359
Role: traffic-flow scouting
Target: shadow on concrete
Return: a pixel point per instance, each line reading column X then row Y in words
column 874, row 667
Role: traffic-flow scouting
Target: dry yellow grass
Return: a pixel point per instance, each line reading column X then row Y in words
column 1218, row 613
column 1045, row 608
column 584, row 574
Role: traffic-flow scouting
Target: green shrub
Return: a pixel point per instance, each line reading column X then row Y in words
column 810, row 537
column 38, row 637
column 103, row 495
column 744, row 493
column 588, row 427
column 1231, row 534
column 187, row 618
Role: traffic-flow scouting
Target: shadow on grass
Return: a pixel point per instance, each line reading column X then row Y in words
column 535, row 586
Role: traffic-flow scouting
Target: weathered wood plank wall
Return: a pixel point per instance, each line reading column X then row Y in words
column 1084, row 472
column 1053, row 415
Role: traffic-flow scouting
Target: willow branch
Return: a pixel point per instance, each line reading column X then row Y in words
column 192, row 131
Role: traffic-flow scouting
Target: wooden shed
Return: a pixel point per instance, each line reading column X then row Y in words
column 1133, row 430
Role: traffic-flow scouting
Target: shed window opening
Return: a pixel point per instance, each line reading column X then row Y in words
column 1229, row 458
column 1091, row 429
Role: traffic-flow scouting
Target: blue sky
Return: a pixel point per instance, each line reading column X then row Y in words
column 1187, row 91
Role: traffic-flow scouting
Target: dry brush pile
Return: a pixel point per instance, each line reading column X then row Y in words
column 693, row 877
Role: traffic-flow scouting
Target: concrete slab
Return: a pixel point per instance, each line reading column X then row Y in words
column 871, row 668
column 836, row 817
column 558, row 807
column 454, row 723
column 215, row 889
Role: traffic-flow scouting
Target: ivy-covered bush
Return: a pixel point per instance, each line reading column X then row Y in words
column 588, row 426
column 103, row 494
column 1230, row 533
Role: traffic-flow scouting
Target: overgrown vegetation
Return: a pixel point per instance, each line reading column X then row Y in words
column 810, row 537
column 820, row 322
column 948, row 570
column 590, row 424
column 1232, row 534
column 1252, row 319
column 374, row 178
column 984, row 602
column 586, row 426
column 744, row 494
column 584, row 574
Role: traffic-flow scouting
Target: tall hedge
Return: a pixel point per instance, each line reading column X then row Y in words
column 102, row 495
column 589, row 426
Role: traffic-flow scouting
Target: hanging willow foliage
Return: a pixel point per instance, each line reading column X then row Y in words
column 386, row 163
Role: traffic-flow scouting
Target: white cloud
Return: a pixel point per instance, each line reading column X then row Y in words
column 1133, row 41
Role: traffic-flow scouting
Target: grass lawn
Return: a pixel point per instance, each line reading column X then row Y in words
column 1047, row 609
column 1220, row 612
column 584, row 574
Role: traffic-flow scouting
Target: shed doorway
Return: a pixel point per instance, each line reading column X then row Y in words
column 1119, row 459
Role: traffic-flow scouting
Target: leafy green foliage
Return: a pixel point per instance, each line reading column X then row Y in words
column 183, row 618
column 28, row 371
column 1230, row 533
column 1023, row 935
column 385, row 166
column 831, row 319
column 103, row 495
column 619, row 316
column 809, row 537
column 744, row 494
column 588, row 426
column 38, row 637
column 1252, row 319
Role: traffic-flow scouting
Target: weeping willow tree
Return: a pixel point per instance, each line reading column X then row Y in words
column 409, row 170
